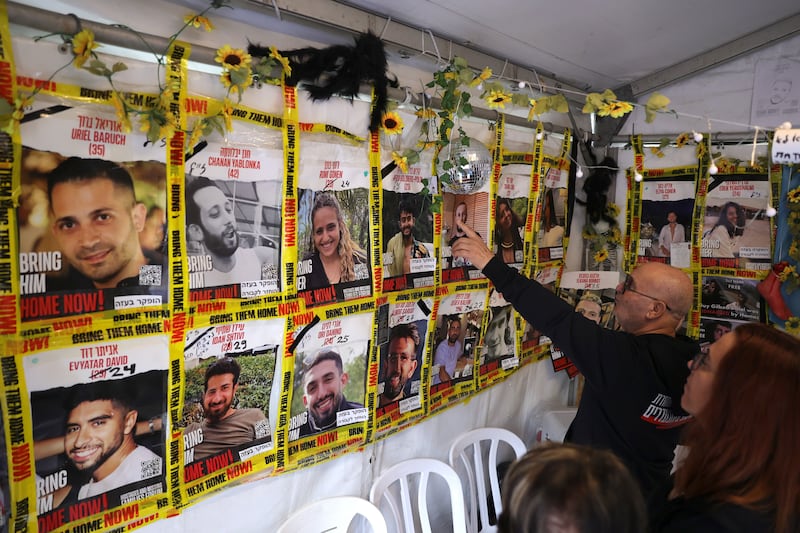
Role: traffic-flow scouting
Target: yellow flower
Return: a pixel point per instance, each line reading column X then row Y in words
column 197, row 21
column 612, row 210
column 82, row 46
column 656, row 151
column 787, row 272
column 480, row 78
column 615, row 236
column 450, row 75
column 401, row 161
column 233, row 58
column 284, row 61
column 426, row 113
column 794, row 195
column 682, row 139
column 194, row 138
column 532, row 113
column 792, row 326
column 794, row 251
column 615, row 109
column 794, row 218
column 392, row 124
column 497, row 99
column 600, row 256
column 122, row 112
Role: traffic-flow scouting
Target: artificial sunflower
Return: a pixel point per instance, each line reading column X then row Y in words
column 284, row 61
column 655, row 150
column 227, row 113
column 392, row 124
column 792, row 326
column 794, row 218
column 198, row 21
column 794, row 195
column 194, row 138
column 497, row 99
column 401, row 161
column 682, row 139
column 233, row 58
column 122, row 112
column 787, row 272
column 612, row 210
column 425, row 113
column 615, row 109
column 794, row 251
column 600, row 256
column 82, row 46
column 485, row 74
column 532, row 112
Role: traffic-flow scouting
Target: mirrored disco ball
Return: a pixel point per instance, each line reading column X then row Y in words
column 472, row 166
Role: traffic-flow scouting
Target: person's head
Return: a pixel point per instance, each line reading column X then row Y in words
column 96, row 219
column 453, row 329
column 506, row 220
column 590, row 306
column 401, row 361
column 654, row 297
column 549, row 215
column 672, row 217
column 570, row 489
column 152, row 235
column 323, row 387
column 712, row 287
column 221, row 384
column 732, row 217
column 741, row 298
column 406, row 219
column 330, row 236
column 100, row 426
column 499, row 334
column 780, row 91
column 743, row 443
column 459, row 215
column 721, row 327
column 210, row 217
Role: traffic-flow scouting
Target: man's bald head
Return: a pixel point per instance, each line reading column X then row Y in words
column 659, row 298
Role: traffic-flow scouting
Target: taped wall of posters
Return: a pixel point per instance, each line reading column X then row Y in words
column 230, row 405
column 498, row 353
column 401, row 345
column 98, row 427
column 409, row 256
column 535, row 345
column 454, row 347
column 76, row 161
column 333, row 228
column 552, row 210
column 473, row 210
column 327, row 413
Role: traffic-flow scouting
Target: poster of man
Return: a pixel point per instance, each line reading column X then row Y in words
column 330, row 376
column 401, row 355
column 736, row 230
column 229, row 395
column 408, row 254
column 234, row 221
column 776, row 92
column 98, row 416
column 472, row 210
column 667, row 207
column 333, row 224
column 457, row 335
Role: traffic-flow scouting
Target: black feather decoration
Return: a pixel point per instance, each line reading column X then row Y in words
column 596, row 188
column 340, row 70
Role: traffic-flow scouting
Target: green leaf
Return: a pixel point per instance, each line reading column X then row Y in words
column 460, row 62
column 446, row 164
column 119, row 66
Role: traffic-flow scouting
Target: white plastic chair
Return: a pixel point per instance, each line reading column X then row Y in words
column 416, row 474
column 333, row 514
column 477, row 452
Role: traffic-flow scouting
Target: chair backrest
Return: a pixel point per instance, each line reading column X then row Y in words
column 333, row 514
column 477, row 452
column 402, row 480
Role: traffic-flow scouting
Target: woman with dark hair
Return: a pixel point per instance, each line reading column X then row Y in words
column 722, row 238
column 507, row 235
column 336, row 257
column 570, row 488
column 553, row 234
column 742, row 468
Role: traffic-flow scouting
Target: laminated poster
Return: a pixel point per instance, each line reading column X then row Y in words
column 409, row 257
column 666, row 214
column 230, row 402
column 552, row 208
column 91, row 216
column 234, row 193
column 333, row 229
column 497, row 354
column 472, row 209
column 327, row 411
column 98, row 412
column 736, row 230
column 535, row 345
column 730, row 298
column 512, row 215
column 402, row 344
column 592, row 295
column 454, row 351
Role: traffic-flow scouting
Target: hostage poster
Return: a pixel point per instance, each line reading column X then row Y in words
column 511, row 216
column 667, row 210
column 498, row 353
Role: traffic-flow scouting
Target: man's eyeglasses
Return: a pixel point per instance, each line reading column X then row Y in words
column 699, row 361
column 627, row 286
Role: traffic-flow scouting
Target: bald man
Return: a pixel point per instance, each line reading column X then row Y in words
column 634, row 377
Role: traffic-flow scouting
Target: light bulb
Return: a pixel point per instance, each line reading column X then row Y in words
column 521, row 85
column 698, row 137
column 771, row 211
column 539, row 136
column 579, row 173
column 785, row 126
column 713, row 169
column 637, row 176
column 479, row 87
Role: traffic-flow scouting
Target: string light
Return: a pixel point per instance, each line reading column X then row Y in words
column 713, row 168
column 785, row 126
column 637, row 176
column 771, row 211
column 698, row 137
column 521, row 85
column 539, row 136
column 579, row 172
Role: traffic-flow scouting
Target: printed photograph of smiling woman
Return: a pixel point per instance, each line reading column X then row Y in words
column 98, row 415
column 511, row 214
